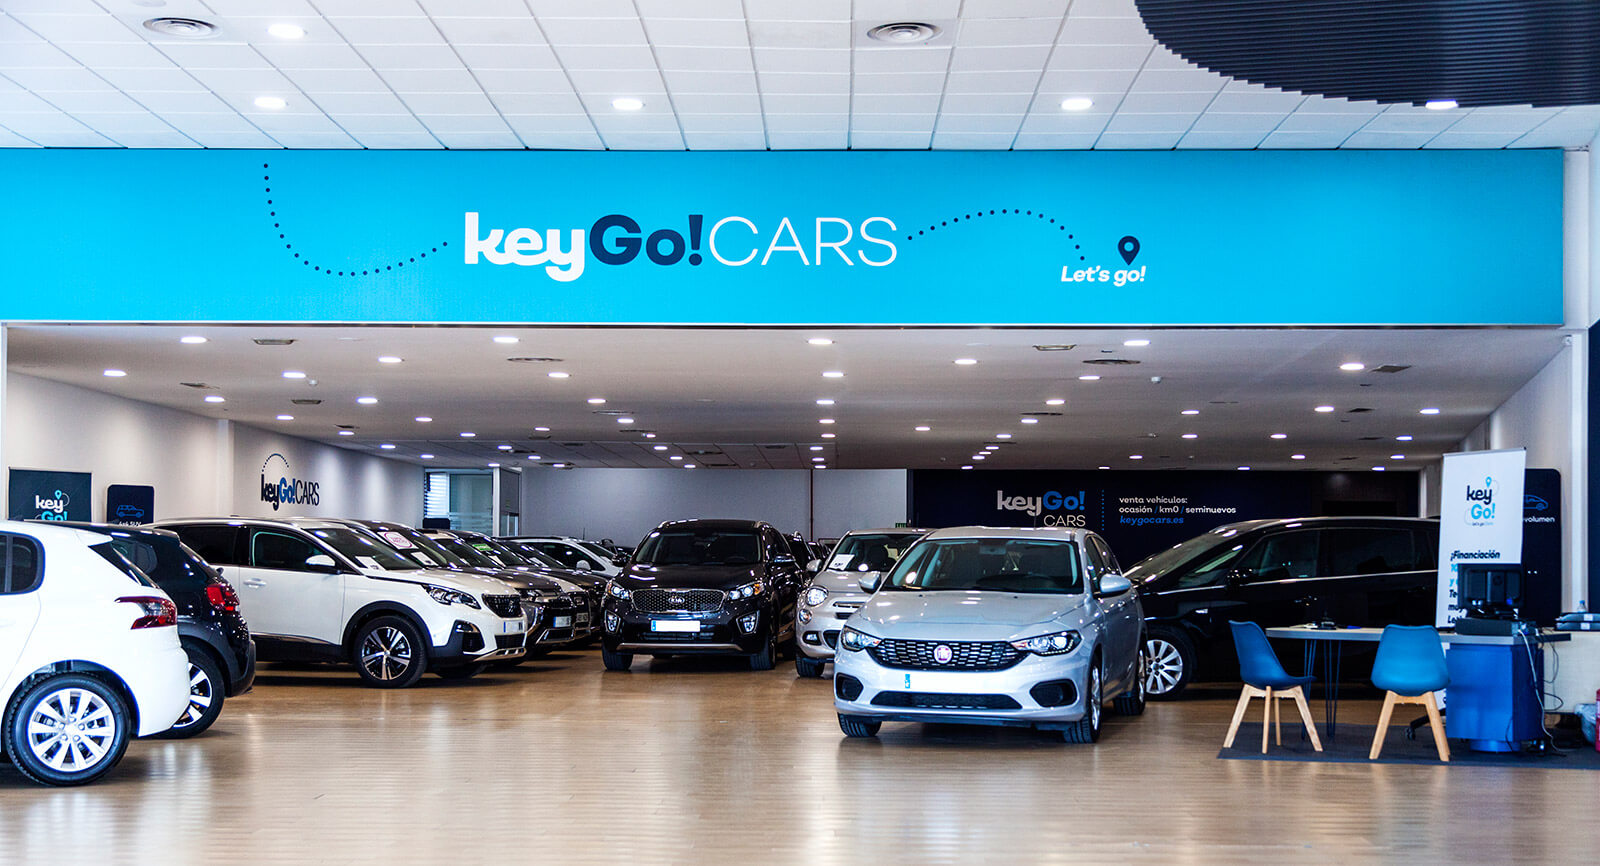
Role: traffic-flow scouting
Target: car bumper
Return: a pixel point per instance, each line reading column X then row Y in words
column 159, row 683
column 243, row 679
column 817, row 638
column 481, row 639
column 562, row 626
column 1038, row 691
column 723, row 632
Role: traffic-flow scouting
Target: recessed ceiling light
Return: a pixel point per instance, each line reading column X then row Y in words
column 1088, row 377
column 689, row 466
column 389, row 359
column 1002, row 435
column 535, row 457
column 1077, row 103
column 1191, row 435
column 833, row 374
column 1352, row 366
column 347, row 433
column 285, row 417
column 1440, row 104
column 816, row 448
column 1324, row 409
column 922, row 428
column 824, row 402
column 830, row 436
column 980, row 457
column 649, row 435
column 1136, row 344
column 1055, row 401
column 991, row 447
column 659, row 447
column 424, row 419
column 270, row 103
column 627, row 103
column 1030, row 420
column 1102, row 467
column 597, row 401
column 676, row 457
column 557, row 374
column 624, row 420
column 1244, row 469
column 426, row 456
column 502, row 447
column 1280, row 436
column 1135, row 456
column 367, row 401
column 467, row 434
column 216, row 398
column 1397, row 456
column 558, row 466
column 193, row 340
column 966, row 362
column 1402, row 438
column 115, row 374
column 818, row 459
column 285, row 30
column 1430, row 411
column 386, row 446
column 820, row 341
column 541, row 429
column 1380, row 469
column 293, row 374
column 824, row 420
column 506, row 339
column 966, row 467
column 1190, row 412
column 1297, row 456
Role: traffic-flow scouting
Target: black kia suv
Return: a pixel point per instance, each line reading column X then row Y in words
column 704, row 587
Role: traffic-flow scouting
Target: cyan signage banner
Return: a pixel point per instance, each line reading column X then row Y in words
column 1036, row 238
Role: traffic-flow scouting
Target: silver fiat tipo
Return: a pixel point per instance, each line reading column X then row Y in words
column 836, row 593
column 1023, row 627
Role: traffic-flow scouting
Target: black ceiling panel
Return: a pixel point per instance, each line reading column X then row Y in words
column 1476, row 52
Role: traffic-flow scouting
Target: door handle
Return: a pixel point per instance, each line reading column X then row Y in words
column 255, row 583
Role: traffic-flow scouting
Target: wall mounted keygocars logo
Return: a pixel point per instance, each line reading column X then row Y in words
column 287, row 490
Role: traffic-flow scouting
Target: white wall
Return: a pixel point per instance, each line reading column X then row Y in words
column 624, row 504
column 197, row 465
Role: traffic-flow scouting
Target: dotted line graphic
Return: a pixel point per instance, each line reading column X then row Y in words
column 991, row 212
column 289, row 247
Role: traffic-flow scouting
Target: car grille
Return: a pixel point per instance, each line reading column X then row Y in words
column 504, row 605
column 507, row 641
column 677, row 600
column 942, row 701
column 831, row 638
column 918, row 655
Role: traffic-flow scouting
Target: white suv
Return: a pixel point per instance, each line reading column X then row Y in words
column 89, row 654
column 319, row 590
column 574, row 553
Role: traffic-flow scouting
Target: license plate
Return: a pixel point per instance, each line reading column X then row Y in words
column 583, row 619
column 515, row 626
column 685, row 626
column 563, row 622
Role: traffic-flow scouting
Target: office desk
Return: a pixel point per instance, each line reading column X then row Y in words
column 1486, row 677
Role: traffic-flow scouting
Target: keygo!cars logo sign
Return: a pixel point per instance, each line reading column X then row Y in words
column 287, row 490
column 1481, row 504
column 1052, row 501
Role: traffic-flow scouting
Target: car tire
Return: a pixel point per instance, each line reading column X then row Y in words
column 767, row 658
column 1087, row 729
column 1171, row 661
column 615, row 661
column 205, row 697
column 807, row 667
column 858, row 726
column 388, row 653
column 462, row 672
column 103, row 729
column 1131, row 702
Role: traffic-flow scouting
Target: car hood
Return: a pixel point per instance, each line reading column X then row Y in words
column 476, row 584
column 968, row 615
column 722, row 577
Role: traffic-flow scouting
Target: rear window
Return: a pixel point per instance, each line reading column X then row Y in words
column 216, row 544
column 174, row 567
column 1368, row 551
column 111, row 554
column 21, row 566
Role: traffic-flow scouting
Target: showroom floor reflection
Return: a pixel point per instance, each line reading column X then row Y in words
column 702, row 761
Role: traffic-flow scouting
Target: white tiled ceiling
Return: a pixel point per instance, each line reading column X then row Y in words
column 713, row 74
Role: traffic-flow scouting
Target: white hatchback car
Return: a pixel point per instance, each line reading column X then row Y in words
column 89, row 654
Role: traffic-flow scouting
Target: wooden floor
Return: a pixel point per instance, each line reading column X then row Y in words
column 704, row 762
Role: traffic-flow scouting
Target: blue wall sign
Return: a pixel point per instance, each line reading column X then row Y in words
column 43, row 495
column 1036, row 238
column 130, row 504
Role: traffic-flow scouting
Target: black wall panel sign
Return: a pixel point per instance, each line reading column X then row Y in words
column 1541, row 545
column 1140, row 513
column 43, row 495
column 130, row 504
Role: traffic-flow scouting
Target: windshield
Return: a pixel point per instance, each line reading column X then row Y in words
column 466, row 552
column 532, row 554
column 605, row 555
column 507, row 557
column 418, row 548
column 1157, row 564
column 700, row 547
column 365, row 550
column 877, row 551
column 991, row 564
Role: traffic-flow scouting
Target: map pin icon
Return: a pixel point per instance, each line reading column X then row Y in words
column 1129, row 247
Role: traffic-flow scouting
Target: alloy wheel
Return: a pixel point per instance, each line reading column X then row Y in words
column 385, row 653
column 201, row 693
column 71, row 730
column 1163, row 666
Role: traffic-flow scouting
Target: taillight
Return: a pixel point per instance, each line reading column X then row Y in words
column 157, row 612
column 222, row 597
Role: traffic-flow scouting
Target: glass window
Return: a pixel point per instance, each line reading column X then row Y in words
column 876, row 551
column 283, row 552
column 1209, row 569
column 174, row 567
column 567, row 556
column 1368, row 551
column 20, row 565
column 702, row 547
column 1106, row 556
column 994, row 564
column 1283, row 557
column 368, row 551
column 216, row 544
column 112, row 554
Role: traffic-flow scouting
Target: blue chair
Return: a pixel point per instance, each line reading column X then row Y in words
column 1265, row 677
column 1410, row 667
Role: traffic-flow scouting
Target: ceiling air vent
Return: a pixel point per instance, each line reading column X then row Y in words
column 196, row 385
column 1370, row 438
column 1391, row 368
column 273, row 341
column 702, row 453
column 903, row 32
column 1042, row 414
column 346, row 426
column 306, row 401
column 181, row 28
column 1360, row 410
column 573, row 444
column 1057, row 347
column 1112, row 362
column 775, row 447
column 613, row 412
column 534, row 360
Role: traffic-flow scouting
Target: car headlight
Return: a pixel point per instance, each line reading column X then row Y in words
column 851, row 639
column 749, row 590
column 1050, row 644
column 447, row 596
column 816, row 595
column 615, row 590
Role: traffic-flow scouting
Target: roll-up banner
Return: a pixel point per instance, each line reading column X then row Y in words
column 1480, row 517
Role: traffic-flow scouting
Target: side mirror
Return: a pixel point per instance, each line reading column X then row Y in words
column 322, row 563
column 870, row 581
column 1113, row 584
column 584, row 565
column 814, row 566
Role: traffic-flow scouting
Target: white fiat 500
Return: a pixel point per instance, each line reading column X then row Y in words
column 89, row 654
column 1024, row 627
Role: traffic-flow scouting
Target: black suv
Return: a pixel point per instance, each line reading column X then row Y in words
column 704, row 586
column 1361, row 571
column 222, row 657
